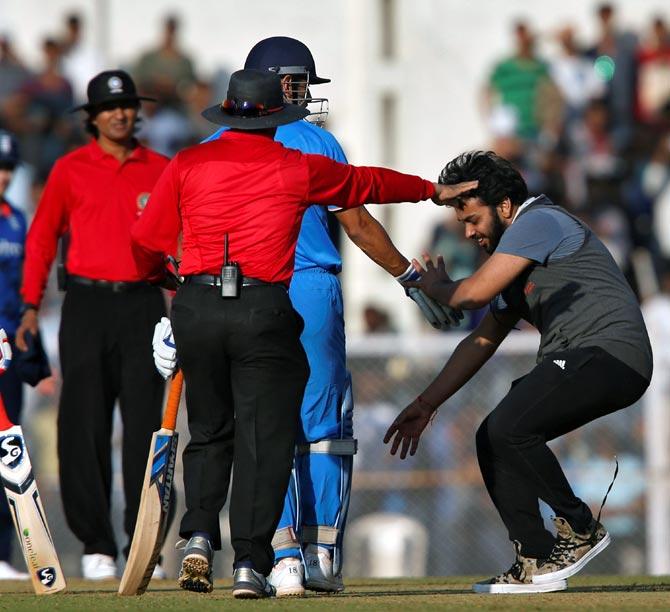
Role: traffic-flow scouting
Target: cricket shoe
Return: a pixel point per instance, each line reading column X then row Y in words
column 98, row 567
column 319, row 570
column 287, row 577
column 249, row 584
column 196, row 565
column 7, row 572
column 519, row 578
column 572, row 551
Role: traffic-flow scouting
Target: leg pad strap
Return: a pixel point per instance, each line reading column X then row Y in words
column 339, row 447
column 319, row 534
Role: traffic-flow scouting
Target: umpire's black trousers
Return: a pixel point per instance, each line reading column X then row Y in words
column 245, row 372
column 565, row 391
column 105, row 352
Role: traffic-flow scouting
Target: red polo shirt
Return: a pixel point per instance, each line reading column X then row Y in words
column 256, row 190
column 96, row 198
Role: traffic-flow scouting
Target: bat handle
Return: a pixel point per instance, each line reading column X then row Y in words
column 170, row 415
column 5, row 423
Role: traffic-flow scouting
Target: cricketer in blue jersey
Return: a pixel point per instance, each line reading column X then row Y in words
column 308, row 541
column 12, row 241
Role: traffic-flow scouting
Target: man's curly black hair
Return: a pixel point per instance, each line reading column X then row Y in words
column 498, row 179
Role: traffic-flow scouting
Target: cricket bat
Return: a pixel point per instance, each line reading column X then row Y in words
column 26, row 509
column 152, row 517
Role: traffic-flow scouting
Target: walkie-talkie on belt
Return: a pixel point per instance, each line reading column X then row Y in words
column 230, row 274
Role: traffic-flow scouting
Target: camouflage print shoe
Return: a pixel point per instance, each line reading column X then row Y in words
column 196, row 566
column 519, row 578
column 572, row 551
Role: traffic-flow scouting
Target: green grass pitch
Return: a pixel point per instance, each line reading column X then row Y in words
column 452, row 593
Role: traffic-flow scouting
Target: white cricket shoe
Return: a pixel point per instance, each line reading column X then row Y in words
column 98, row 567
column 287, row 577
column 319, row 570
column 7, row 572
column 159, row 573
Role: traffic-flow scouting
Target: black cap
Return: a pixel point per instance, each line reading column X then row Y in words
column 284, row 55
column 255, row 101
column 110, row 86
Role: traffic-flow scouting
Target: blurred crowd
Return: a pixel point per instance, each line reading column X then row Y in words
column 589, row 126
column 34, row 103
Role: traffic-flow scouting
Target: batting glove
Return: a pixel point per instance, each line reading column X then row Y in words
column 165, row 350
column 5, row 352
column 438, row 315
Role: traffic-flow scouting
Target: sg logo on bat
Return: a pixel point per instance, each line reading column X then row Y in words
column 46, row 575
column 11, row 451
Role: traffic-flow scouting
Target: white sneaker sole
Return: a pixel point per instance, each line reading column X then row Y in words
column 571, row 570
column 290, row 591
column 510, row 589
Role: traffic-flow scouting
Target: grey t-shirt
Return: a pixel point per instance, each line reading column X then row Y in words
column 573, row 292
column 542, row 235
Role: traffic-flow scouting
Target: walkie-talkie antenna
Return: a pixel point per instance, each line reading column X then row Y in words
column 225, row 249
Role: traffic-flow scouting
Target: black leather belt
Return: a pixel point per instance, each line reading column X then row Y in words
column 114, row 286
column 215, row 281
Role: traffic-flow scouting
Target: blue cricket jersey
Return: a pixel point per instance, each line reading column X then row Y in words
column 315, row 249
column 12, row 242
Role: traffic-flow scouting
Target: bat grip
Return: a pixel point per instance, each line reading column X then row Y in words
column 5, row 423
column 170, row 415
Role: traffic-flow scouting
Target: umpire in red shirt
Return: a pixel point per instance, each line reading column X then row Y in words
column 239, row 342
column 95, row 194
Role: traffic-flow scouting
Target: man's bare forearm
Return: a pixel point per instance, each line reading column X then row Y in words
column 370, row 236
column 468, row 358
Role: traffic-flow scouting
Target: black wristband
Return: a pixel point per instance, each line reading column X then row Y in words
column 26, row 307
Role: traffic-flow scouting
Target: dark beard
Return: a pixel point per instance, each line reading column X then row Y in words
column 496, row 233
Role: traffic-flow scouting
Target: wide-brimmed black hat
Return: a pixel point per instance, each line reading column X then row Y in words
column 110, row 86
column 255, row 101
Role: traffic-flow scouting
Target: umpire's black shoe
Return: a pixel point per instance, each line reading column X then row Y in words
column 249, row 584
column 196, row 566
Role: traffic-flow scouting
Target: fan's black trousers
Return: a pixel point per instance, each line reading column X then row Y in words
column 106, row 355
column 245, row 373
column 563, row 392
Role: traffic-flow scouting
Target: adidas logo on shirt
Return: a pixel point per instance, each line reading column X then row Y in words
column 560, row 363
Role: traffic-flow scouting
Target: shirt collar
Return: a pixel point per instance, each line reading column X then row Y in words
column 97, row 153
column 527, row 203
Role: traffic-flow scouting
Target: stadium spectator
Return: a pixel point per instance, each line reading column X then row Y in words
column 614, row 57
column 516, row 82
column 166, row 70
column 46, row 98
column 13, row 72
column 594, row 166
column 654, row 71
column 79, row 61
column 574, row 76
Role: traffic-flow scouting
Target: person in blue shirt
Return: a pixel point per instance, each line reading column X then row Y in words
column 12, row 240
column 308, row 541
